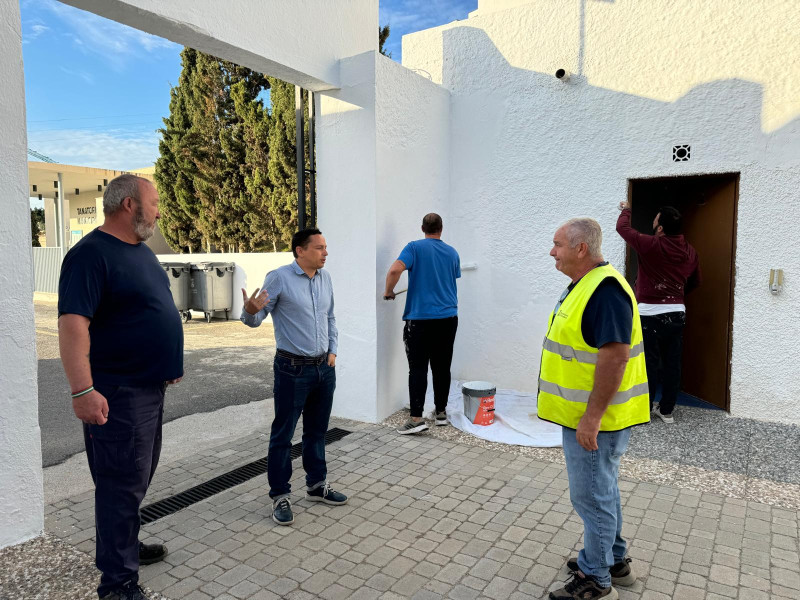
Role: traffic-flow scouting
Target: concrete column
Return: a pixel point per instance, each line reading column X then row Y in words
column 21, row 492
column 346, row 183
column 61, row 222
column 50, row 224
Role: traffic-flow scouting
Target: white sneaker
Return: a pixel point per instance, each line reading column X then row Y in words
column 666, row 418
column 440, row 418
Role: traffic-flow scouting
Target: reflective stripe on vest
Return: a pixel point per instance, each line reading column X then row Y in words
column 568, row 363
column 583, row 396
column 568, row 352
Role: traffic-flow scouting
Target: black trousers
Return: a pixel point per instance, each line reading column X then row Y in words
column 429, row 341
column 123, row 455
column 663, row 347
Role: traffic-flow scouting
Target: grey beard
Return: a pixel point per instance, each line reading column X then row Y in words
column 143, row 232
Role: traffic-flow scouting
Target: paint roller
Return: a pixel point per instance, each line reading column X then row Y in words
column 396, row 294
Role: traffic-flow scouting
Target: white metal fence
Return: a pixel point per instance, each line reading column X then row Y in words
column 46, row 268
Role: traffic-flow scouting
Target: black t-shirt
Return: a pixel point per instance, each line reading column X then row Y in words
column 135, row 330
column 608, row 316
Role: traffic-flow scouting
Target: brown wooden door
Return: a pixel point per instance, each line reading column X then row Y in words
column 708, row 205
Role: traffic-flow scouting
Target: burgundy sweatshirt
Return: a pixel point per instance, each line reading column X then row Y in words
column 668, row 264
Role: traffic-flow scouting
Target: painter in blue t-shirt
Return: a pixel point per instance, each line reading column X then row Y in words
column 431, row 318
column 433, row 267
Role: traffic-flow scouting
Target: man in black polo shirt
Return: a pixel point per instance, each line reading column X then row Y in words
column 121, row 343
column 593, row 383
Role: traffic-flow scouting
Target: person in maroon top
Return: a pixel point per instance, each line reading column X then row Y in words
column 668, row 269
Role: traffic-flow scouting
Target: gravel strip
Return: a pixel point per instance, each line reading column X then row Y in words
column 46, row 568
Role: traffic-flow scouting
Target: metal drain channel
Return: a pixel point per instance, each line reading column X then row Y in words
column 167, row 506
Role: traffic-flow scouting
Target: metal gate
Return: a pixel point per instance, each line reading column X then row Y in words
column 46, row 269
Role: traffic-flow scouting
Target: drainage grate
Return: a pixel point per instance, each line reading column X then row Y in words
column 167, row 506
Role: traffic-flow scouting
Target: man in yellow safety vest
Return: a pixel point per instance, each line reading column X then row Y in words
column 593, row 382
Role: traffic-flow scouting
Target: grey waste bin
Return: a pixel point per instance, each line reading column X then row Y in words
column 211, row 287
column 179, row 277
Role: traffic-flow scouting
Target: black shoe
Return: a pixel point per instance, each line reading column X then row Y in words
column 126, row 592
column 583, row 587
column 151, row 553
column 411, row 426
column 621, row 572
column 325, row 494
column 282, row 512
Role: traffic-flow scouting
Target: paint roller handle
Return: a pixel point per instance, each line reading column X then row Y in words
column 392, row 297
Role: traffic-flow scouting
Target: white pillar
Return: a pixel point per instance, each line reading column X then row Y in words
column 60, row 221
column 21, row 492
column 345, row 131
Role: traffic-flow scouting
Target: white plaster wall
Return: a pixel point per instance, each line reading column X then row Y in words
column 659, row 49
column 298, row 41
column 21, row 492
column 346, row 192
column 413, row 179
column 249, row 272
column 528, row 151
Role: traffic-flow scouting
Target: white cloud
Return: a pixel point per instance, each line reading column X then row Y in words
column 32, row 30
column 106, row 150
column 117, row 44
column 87, row 77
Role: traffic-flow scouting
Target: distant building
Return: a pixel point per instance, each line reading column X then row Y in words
column 82, row 189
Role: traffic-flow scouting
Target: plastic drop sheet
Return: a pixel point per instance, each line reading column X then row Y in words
column 515, row 420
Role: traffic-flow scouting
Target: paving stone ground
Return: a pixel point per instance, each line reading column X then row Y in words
column 431, row 518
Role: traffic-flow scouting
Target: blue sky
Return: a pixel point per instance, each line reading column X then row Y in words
column 96, row 90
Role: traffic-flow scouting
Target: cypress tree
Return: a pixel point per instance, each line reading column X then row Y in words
column 282, row 159
column 174, row 168
column 37, row 226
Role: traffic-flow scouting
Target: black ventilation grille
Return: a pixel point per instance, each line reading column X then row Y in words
column 681, row 153
column 167, row 506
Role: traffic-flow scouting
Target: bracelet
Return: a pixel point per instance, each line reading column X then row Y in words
column 83, row 392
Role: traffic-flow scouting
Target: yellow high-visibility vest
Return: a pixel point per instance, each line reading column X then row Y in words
column 566, row 377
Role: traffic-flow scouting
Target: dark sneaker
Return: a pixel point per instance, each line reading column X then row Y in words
column 583, row 587
column 126, row 592
column 325, row 494
column 621, row 572
column 441, row 418
column 412, row 427
column 666, row 418
column 151, row 553
column 282, row 512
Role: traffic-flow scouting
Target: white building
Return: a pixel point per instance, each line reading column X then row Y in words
column 476, row 126
column 528, row 150
column 81, row 191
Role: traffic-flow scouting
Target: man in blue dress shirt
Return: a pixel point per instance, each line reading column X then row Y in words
column 431, row 318
column 299, row 296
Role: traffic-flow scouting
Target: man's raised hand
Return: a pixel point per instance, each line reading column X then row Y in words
column 256, row 302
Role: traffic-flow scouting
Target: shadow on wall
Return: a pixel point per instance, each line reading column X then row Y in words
column 529, row 151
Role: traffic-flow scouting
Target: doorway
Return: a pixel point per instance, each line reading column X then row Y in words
column 708, row 204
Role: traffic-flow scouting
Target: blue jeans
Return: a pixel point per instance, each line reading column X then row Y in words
column 123, row 455
column 594, row 491
column 306, row 390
